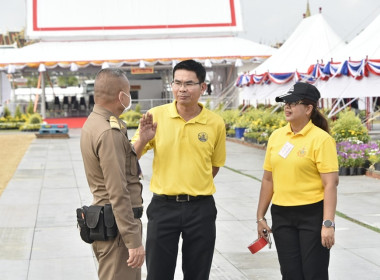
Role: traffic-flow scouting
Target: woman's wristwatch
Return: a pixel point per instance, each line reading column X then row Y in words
column 328, row 223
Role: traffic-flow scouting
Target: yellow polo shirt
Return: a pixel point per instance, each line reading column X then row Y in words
column 296, row 161
column 185, row 152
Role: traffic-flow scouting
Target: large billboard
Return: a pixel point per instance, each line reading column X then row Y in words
column 79, row 19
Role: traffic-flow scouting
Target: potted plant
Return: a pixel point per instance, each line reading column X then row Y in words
column 374, row 156
column 343, row 163
column 349, row 126
column 241, row 123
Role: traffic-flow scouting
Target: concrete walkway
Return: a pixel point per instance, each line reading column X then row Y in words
column 39, row 239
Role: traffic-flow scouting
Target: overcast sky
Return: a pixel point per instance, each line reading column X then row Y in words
column 271, row 21
column 265, row 21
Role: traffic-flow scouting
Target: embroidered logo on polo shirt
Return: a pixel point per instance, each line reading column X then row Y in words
column 302, row 152
column 202, row 136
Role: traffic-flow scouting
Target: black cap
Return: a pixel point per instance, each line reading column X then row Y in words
column 300, row 91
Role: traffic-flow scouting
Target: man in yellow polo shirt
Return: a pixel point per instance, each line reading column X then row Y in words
column 189, row 147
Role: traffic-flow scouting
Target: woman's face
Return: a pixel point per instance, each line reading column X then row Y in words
column 296, row 111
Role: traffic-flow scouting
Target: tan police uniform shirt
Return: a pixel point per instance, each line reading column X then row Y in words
column 112, row 171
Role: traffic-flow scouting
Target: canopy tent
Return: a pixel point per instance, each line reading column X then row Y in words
column 364, row 45
column 312, row 40
column 80, row 54
column 338, row 80
column 353, row 78
column 358, row 73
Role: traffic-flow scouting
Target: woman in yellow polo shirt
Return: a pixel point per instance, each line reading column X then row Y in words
column 300, row 179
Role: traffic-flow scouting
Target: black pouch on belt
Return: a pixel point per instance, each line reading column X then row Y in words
column 83, row 228
column 95, row 221
column 109, row 222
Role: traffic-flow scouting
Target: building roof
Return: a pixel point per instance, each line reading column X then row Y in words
column 219, row 50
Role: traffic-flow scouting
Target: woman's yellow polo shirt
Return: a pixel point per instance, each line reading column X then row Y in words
column 296, row 161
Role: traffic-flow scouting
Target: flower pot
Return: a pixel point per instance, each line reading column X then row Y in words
column 377, row 166
column 361, row 170
column 353, row 171
column 250, row 140
column 344, row 171
column 239, row 132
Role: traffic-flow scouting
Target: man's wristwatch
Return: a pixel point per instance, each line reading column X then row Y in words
column 328, row 223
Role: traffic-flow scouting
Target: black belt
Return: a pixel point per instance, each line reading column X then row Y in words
column 137, row 212
column 181, row 197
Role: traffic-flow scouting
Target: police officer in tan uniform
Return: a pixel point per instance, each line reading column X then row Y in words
column 113, row 176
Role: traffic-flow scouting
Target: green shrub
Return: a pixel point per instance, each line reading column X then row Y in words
column 138, row 108
column 18, row 113
column 30, row 108
column 6, row 112
column 33, row 123
column 30, row 127
column 10, row 125
column 259, row 123
column 229, row 116
column 34, row 119
column 132, row 118
column 349, row 126
column 207, row 104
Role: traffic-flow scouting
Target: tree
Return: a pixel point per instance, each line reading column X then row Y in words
column 32, row 82
column 67, row 81
column 30, row 109
column 18, row 113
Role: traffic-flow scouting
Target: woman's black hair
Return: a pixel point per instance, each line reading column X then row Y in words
column 317, row 117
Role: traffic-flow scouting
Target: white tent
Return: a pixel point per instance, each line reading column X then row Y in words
column 312, row 40
column 361, row 58
column 361, row 50
column 353, row 72
column 365, row 45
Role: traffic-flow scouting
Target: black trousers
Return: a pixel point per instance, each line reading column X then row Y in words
column 297, row 234
column 167, row 220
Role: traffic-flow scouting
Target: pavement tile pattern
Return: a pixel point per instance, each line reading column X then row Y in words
column 39, row 238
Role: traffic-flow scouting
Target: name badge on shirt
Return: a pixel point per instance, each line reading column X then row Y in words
column 286, row 149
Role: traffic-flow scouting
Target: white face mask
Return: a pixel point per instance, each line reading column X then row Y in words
column 129, row 105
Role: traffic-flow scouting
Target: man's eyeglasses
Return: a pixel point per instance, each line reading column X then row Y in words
column 292, row 104
column 189, row 84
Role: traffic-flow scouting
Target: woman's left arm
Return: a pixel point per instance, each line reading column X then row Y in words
column 330, row 183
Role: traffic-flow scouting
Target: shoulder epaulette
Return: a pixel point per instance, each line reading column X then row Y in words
column 114, row 123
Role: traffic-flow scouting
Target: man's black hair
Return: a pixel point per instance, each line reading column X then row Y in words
column 192, row 65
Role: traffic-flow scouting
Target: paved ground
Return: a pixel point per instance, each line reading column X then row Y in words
column 39, row 239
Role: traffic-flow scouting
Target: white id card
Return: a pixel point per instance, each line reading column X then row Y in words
column 286, row 149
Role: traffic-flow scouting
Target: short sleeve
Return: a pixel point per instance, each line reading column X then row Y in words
column 326, row 156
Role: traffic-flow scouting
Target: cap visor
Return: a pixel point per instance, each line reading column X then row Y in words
column 289, row 98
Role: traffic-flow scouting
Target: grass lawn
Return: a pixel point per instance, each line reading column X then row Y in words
column 12, row 149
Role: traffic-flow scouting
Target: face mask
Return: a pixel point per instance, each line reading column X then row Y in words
column 129, row 105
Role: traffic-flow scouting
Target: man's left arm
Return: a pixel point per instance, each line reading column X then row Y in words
column 219, row 156
column 215, row 171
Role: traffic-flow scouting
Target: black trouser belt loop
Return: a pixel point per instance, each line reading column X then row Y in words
column 137, row 212
column 182, row 197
